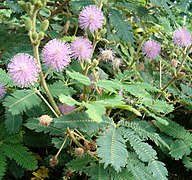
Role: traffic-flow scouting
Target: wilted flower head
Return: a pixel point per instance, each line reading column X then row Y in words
column 91, row 17
column 151, row 49
column 23, row 70
column 107, row 55
column 81, row 48
column 45, row 120
column 56, row 54
column 2, row 91
column 65, row 109
column 182, row 37
column 116, row 63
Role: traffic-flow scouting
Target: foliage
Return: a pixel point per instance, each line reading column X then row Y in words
column 123, row 115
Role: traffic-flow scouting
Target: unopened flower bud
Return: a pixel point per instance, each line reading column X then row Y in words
column 41, row 35
column 28, row 24
column 181, row 74
column 174, row 63
column 28, row 6
column 34, row 35
column 95, row 63
column 22, row 4
column 45, row 120
column 45, row 25
column 79, row 151
column 33, row 1
column 39, row 4
column 53, row 161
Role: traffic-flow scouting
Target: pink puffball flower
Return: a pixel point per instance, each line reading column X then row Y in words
column 2, row 91
column 182, row 37
column 81, row 48
column 65, row 109
column 56, row 54
column 151, row 49
column 23, row 70
column 91, row 17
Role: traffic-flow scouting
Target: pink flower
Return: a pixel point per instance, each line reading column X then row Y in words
column 65, row 109
column 2, row 91
column 56, row 54
column 182, row 37
column 81, row 48
column 91, row 17
column 151, row 49
column 23, row 70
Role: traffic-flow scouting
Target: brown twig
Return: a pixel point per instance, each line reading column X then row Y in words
column 58, row 9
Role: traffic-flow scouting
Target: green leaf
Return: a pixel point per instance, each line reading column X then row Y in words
column 145, row 151
column 5, row 78
column 95, row 111
column 3, row 164
column 59, row 88
column 123, row 175
column 80, row 121
column 34, row 124
column 68, row 100
column 129, row 108
column 97, row 172
column 14, row 138
column 158, row 106
column 158, row 169
column 112, row 149
column 13, row 122
column 109, row 85
column 20, row 154
column 179, row 148
column 79, row 77
column 120, row 24
column 187, row 161
column 80, row 163
column 21, row 100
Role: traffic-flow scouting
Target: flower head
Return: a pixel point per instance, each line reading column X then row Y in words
column 182, row 37
column 2, row 91
column 56, row 54
column 107, row 54
column 116, row 63
column 65, row 109
column 81, row 48
column 45, row 120
column 151, row 49
column 23, row 70
column 91, row 17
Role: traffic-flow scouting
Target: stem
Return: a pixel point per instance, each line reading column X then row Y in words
column 61, row 147
column 160, row 74
column 46, row 102
column 137, row 54
column 73, row 138
column 43, row 82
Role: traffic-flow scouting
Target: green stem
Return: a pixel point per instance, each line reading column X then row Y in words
column 61, row 147
column 177, row 73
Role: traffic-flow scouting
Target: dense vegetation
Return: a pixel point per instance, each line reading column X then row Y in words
column 95, row 89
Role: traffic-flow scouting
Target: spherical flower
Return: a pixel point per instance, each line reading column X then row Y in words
column 65, row 109
column 151, row 49
column 56, row 54
column 81, row 48
column 116, row 63
column 182, row 37
column 91, row 17
column 45, row 120
column 23, row 70
column 2, row 91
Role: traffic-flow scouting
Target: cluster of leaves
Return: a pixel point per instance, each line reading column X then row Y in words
column 121, row 127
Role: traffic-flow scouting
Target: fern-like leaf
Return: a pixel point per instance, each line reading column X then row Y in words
column 120, row 24
column 20, row 154
column 158, row 169
column 179, row 148
column 80, row 163
column 3, row 164
column 34, row 124
column 97, row 172
column 5, row 78
column 13, row 122
column 112, row 149
column 187, row 161
column 21, row 100
column 145, row 151
column 123, row 175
